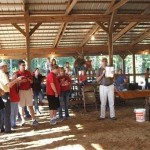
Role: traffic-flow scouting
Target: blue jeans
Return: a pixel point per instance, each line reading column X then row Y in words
column 5, row 114
column 14, row 113
column 64, row 97
column 35, row 97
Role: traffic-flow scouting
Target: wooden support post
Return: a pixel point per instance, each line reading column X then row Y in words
column 110, row 49
column 27, row 46
column 123, row 65
column 134, row 70
column 123, row 62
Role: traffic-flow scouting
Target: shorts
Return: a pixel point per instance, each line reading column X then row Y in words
column 26, row 97
column 53, row 102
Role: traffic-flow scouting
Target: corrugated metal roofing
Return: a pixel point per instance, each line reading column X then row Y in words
column 73, row 33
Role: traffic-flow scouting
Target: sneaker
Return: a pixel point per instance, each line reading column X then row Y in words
column 9, row 132
column 58, row 119
column 38, row 112
column 101, row 119
column 14, row 126
column 34, row 122
column 53, row 122
column 22, row 124
column 113, row 118
column 68, row 118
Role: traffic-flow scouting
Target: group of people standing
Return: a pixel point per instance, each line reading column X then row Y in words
column 24, row 87
column 15, row 92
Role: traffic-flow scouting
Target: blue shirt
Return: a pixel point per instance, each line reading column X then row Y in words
column 120, row 79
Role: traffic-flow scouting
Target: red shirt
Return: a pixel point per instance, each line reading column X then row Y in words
column 65, row 82
column 14, row 94
column 82, row 78
column 24, row 85
column 51, row 78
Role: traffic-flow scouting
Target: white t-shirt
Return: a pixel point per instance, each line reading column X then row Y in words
column 4, row 81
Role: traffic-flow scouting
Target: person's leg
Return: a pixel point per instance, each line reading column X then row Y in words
column 22, row 113
column 16, row 112
column 103, row 100
column 31, row 112
column 12, row 116
column 7, row 113
column 61, row 105
column 35, row 97
column 41, row 96
column 111, row 100
column 66, row 99
column 2, row 120
column 27, row 114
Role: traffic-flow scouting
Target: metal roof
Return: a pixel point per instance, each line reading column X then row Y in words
column 59, row 24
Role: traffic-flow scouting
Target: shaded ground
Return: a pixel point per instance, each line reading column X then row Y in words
column 83, row 132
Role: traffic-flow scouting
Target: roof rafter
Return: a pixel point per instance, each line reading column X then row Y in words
column 19, row 29
column 110, row 6
column 125, row 30
column 35, row 28
column 90, row 33
column 142, row 37
column 102, row 26
column 64, row 25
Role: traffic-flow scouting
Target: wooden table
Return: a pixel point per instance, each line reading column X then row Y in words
column 126, row 95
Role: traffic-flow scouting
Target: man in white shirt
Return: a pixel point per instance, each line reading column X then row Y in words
column 5, row 85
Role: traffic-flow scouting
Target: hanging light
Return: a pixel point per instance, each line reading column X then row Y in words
column 92, row 38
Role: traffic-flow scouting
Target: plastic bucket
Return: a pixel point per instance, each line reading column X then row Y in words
column 140, row 114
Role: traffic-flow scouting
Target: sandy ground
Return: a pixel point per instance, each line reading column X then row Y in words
column 83, row 132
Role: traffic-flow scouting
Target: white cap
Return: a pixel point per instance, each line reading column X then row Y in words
column 3, row 64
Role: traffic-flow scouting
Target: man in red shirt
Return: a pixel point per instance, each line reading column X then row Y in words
column 53, row 92
column 25, row 92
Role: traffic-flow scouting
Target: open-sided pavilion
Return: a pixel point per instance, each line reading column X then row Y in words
column 37, row 28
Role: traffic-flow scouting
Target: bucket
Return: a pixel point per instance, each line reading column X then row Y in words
column 140, row 114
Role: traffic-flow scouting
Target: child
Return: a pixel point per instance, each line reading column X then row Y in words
column 14, row 99
column 65, row 84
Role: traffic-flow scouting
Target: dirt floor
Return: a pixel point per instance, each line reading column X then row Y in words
column 83, row 132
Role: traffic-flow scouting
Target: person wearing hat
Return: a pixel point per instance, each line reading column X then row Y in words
column 5, row 86
column 106, row 90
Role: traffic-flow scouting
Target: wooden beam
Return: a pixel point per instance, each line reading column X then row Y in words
column 19, row 29
column 142, row 37
column 118, row 49
column 35, row 28
column 90, row 33
column 134, row 68
column 102, row 26
column 110, row 6
column 112, row 20
column 124, row 31
column 64, row 25
column 70, row 7
column 118, row 5
column 59, row 34
column 77, row 18
column 110, row 49
column 58, row 38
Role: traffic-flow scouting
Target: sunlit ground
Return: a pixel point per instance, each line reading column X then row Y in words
column 82, row 132
column 37, row 137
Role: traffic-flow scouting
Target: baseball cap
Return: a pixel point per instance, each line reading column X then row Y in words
column 3, row 64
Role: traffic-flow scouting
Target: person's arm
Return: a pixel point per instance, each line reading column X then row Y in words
column 1, row 92
column 54, row 89
column 99, row 77
column 11, row 83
